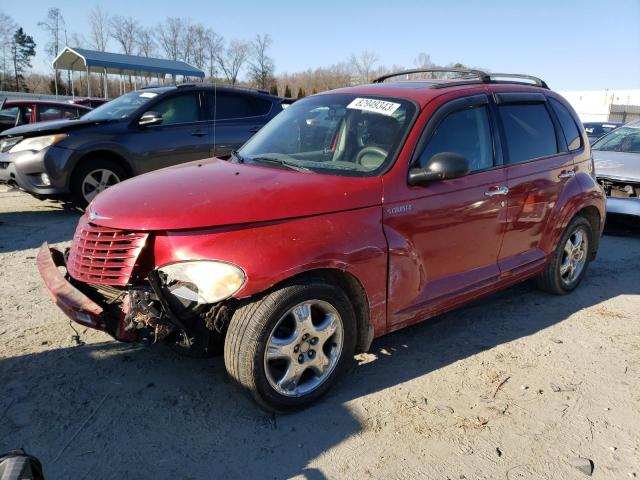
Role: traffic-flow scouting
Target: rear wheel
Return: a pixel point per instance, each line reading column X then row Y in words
column 92, row 177
column 570, row 260
column 287, row 348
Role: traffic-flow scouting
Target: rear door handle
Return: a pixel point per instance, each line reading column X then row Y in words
column 567, row 174
column 199, row 133
column 496, row 191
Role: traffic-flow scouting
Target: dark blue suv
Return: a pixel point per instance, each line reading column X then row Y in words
column 138, row 132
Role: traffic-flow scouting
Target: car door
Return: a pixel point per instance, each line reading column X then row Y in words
column 182, row 136
column 236, row 118
column 445, row 238
column 538, row 166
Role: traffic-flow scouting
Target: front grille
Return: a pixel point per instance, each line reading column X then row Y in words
column 104, row 256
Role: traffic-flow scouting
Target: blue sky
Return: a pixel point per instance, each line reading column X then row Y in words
column 572, row 45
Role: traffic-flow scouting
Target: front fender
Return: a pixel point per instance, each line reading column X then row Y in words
column 271, row 252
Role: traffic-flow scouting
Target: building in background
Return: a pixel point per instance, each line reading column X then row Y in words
column 605, row 105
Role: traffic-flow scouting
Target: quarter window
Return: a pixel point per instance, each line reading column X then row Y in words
column 571, row 133
column 465, row 132
column 529, row 131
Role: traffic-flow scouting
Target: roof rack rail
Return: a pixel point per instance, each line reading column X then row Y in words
column 469, row 75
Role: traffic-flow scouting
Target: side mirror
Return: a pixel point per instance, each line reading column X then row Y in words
column 150, row 118
column 442, row 166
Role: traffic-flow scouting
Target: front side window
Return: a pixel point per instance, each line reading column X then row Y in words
column 465, row 132
column 569, row 127
column 179, row 109
column 622, row 139
column 55, row 113
column 336, row 133
column 529, row 131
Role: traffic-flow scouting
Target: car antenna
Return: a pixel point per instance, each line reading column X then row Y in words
column 215, row 114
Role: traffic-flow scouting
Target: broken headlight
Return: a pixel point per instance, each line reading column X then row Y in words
column 202, row 281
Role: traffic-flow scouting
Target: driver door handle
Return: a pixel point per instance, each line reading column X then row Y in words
column 496, row 191
column 567, row 174
column 199, row 133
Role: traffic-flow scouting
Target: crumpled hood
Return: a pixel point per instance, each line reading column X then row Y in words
column 617, row 165
column 215, row 192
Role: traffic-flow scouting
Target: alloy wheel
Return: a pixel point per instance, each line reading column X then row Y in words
column 304, row 348
column 574, row 256
column 97, row 181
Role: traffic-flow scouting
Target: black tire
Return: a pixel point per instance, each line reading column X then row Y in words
column 551, row 279
column 87, row 166
column 254, row 322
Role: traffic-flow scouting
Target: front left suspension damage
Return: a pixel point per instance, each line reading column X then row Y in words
column 145, row 316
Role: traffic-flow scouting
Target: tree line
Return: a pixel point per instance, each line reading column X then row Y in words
column 233, row 61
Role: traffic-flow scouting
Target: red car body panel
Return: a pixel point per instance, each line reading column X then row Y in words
column 416, row 251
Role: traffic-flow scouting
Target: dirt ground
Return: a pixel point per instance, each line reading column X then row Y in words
column 512, row 387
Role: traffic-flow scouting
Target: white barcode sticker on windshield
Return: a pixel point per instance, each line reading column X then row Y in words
column 375, row 106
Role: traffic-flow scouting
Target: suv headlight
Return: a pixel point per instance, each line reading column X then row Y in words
column 37, row 143
column 203, row 281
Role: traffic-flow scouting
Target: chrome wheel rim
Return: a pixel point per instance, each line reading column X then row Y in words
column 574, row 256
column 97, row 181
column 303, row 348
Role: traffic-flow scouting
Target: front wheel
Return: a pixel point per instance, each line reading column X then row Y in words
column 570, row 260
column 92, row 177
column 287, row 348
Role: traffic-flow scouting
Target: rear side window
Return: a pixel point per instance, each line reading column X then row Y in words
column 231, row 105
column 571, row 132
column 55, row 113
column 529, row 131
column 465, row 132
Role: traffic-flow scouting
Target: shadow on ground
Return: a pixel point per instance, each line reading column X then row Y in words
column 113, row 410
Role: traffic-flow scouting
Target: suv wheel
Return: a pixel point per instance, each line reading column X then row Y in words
column 570, row 260
column 93, row 177
column 288, row 347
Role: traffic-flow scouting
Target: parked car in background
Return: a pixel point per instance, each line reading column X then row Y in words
column 413, row 199
column 14, row 113
column 138, row 132
column 597, row 129
column 617, row 160
column 89, row 102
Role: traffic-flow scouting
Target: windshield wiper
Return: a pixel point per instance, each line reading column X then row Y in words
column 235, row 154
column 284, row 163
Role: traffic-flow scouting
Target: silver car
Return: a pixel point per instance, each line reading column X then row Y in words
column 617, row 162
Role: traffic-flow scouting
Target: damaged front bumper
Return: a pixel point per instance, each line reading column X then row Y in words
column 77, row 305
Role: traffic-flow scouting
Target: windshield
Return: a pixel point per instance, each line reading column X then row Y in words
column 622, row 139
column 335, row 133
column 120, row 107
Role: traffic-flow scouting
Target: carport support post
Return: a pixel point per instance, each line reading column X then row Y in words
column 55, row 80
column 88, row 82
column 73, row 92
column 106, row 85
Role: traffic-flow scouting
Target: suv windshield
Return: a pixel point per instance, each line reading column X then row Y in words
column 335, row 133
column 120, row 107
column 622, row 139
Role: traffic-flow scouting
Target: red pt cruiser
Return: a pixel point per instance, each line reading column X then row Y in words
column 350, row 215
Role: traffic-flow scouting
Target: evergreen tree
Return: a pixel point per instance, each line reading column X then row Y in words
column 314, row 91
column 274, row 90
column 300, row 93
column 22, row 49
column 287, row 92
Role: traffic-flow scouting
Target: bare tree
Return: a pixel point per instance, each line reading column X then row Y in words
column 100, row 29
column 232, row 58
column 54, row 25
column 125, row 31
column 215, row 44
column 170, row 37
column 262, row 67
column 199, row 48
column 7, row 27
column 363, row 65
column 146, row 43
column 423, row 60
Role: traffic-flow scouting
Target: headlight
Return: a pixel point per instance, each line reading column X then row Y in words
column 37, row 143
column 203, row 281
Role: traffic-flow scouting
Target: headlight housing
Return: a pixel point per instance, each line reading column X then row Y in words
column 203, row 281
column 37, row 143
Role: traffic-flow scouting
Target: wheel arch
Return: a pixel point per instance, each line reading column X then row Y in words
column 354, row 289
column 105, row 154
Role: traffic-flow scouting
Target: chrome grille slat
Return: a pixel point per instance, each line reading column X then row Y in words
column 104, row 256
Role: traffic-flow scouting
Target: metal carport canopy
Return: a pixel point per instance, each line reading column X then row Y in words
column 80, row 59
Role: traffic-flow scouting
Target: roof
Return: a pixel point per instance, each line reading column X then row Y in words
column 79, row 59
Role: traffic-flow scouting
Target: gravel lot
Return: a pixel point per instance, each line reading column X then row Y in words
column 512, row 387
